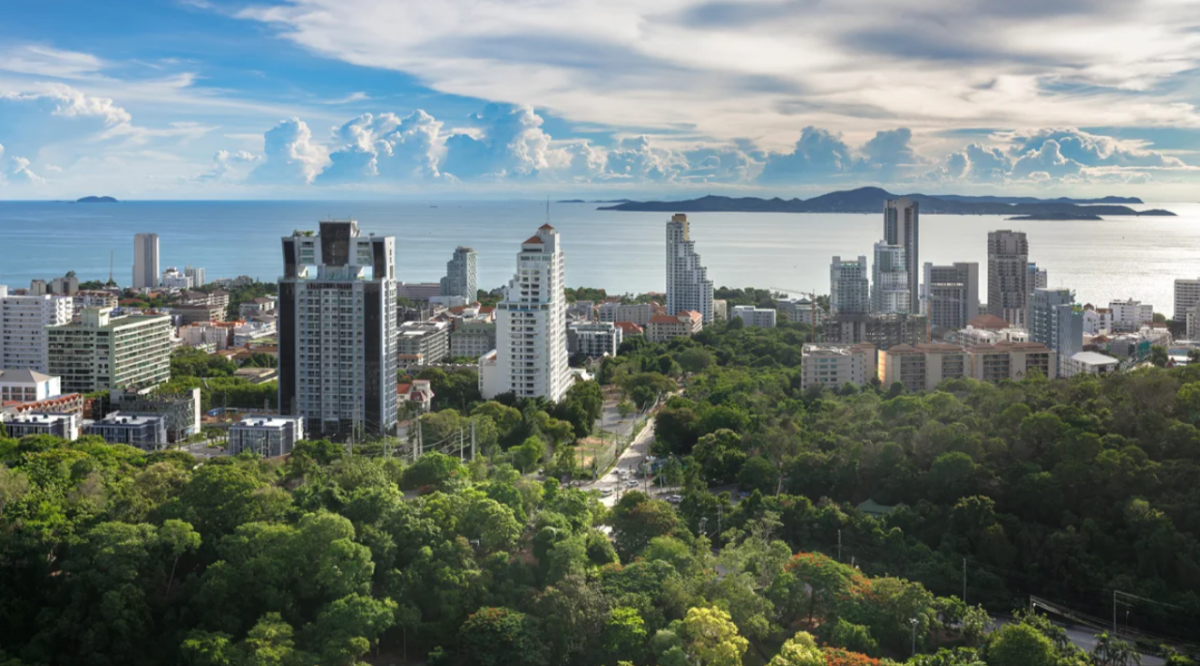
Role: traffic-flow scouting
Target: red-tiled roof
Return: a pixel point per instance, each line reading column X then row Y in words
column 628, row 326
column 546, row 226
column 988, row 321
column 402, row 389
column 484, row 309
column 533, row 239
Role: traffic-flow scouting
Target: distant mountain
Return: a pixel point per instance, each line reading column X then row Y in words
column 596, row 201
column 96, row 200
column 870, row 200
column 1016, row 200
column 1056, row 216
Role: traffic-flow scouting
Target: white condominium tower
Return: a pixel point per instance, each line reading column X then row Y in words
column 688, row 286
column 337, row 331
column 531, row 325
column 23, row 322
column 101, row 352
column 849, row 287
column 145, row 261
column 460, row 275
column 889, row 293
column 1008, row 276
column 902, row 226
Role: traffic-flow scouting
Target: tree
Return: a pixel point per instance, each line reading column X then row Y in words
column 636, row 520
column 624, row 635
column 1112, row 651
column 694, row 359
column 712, row 638
column 433, row 470
column 625, row 409
column 799, row 650
column 500, row 637
column 527, row 456
column 1019, row 645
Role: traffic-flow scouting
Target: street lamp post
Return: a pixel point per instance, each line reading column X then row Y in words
column 913, row 622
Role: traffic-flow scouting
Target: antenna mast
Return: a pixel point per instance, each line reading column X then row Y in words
column 110, row 266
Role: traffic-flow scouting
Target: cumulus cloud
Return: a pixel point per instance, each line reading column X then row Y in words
column 638, row 159
column 510, row 142
column 289, row 155
column 20, row 169
column 1093, row 150
column 817, row 154
column 226, row 165
column 31, row 121
column 1044, row 163
column 385, row 146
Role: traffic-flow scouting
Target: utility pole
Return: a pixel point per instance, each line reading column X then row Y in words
column 964, row 580
column 472, row 440
column 461, row 459
column 839, row 545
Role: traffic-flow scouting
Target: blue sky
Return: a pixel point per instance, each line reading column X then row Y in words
column 360, row 98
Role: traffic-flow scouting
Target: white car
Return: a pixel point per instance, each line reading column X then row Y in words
column 632, row 483
column 606, row 492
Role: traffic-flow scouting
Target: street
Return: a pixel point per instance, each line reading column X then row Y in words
column 628, row 463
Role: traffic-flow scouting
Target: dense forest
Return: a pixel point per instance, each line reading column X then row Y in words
column 1067, row 489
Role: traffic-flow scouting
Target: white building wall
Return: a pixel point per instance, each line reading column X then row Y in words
column 688, row 286
column 23, row 322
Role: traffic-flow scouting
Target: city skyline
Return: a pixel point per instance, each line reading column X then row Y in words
column 293, row 99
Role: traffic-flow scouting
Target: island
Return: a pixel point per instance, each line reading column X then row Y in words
column 1055, row 216
column 96, row 200
column 870, row 200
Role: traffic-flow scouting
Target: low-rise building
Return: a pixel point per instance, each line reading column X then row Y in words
column 93, row 299
column 266, row 436
column 418, row 291
column 27, row 386
column 192, row 314
column 629, row 329
column 922, row 367
column 1097, row 320
column 418, row 394
column 666, row 327
column 594, row 339
column 799, row 311
column 1012, row 360
column 246, row 333
column 65, row 426
column 971, row 336
column 424, row 342
column 205, row 333
column 145, row 431
column 833, row 365
column 1130, row 315
column 755, row 317
column 638, row 313
column 175, row 280
column 720, row 309
column 1092, row 363
column 262, row 305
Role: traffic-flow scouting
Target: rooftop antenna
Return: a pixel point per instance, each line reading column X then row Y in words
column 110, row 266
column 547, row 209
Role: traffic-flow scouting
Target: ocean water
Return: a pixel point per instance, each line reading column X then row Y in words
column 621, row 252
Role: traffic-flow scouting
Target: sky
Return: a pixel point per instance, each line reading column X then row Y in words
column 331, row 99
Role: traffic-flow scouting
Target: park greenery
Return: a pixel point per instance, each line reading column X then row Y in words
column 214, row 376
column 339, row 555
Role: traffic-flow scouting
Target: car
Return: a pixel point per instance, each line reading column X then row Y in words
column 633, row 483
column 674, row 499
column 606, row 492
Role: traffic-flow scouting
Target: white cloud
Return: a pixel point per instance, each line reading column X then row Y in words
column 762, row 68
column 40, row 60
column 226, row 165
column 290, row 156
column 20, row 169
column 508, row 142
column 385, row 146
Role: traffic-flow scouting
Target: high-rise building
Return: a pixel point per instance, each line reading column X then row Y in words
column 1187, row 296
column 890, row 284
column 1056, row 321
column 849, row 287
column 902, row 226
column 881, row 331
column 1038, row 278
column 197, row 275
column 951, row 294
column 102, row 353
column 337, row 331
column 23, row 322
column 460, row 275
column 173, row 279
column 688, row 286
column 1130, row 315
column 145, row 261
column 1008, row 276
column 531, row 325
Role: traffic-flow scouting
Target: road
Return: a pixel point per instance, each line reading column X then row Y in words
column 628, row 463
column 202, row 451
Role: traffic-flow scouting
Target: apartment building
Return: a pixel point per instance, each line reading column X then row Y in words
column 881, row 331
column 849, row 286
column 922, row 367
column 265, row 436
column 637, row 313
column 27, row 386
column 460, row 277
column 902, row 227
column 101, row 352
column 1012, row 360
column 23, row 324
column 832, row 365
column 424, row 342
column 951, row 294
column 688, row 286
column 755, row 317
column 1008, row 276
column 594, row 339
column 1130, row 315
column 667, row 327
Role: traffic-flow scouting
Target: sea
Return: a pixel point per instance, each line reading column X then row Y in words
column 622, row 252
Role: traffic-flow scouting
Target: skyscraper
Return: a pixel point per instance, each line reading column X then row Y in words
column 688, row 286
column 902, row 226
column 1038, row 278
column 530, row 359
column 951, row 294
column 145, row 261
column 1008, row 276
column 849, row 287
column 889, row 288
column 23, row 324
column 460, row 275
column 1056, row 321
column 337, row 331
